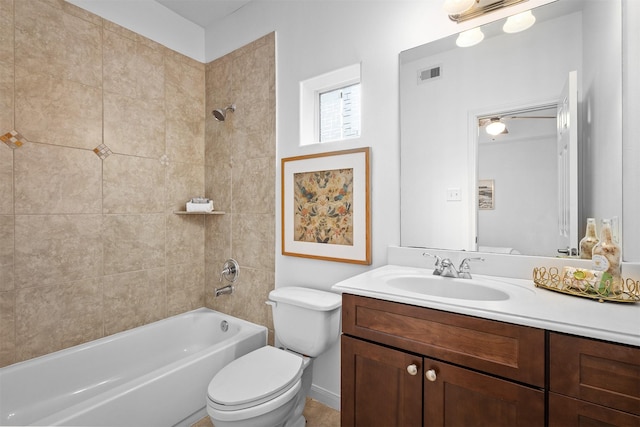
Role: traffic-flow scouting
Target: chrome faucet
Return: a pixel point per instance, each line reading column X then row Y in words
column 444, row 267
column 438, row 265
column 448, row 269
column 223, row 290
column 464, row 271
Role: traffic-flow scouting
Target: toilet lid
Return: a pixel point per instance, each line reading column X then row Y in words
column 255, row 377
column 313, row 299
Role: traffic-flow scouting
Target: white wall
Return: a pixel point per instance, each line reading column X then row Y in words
column 601, row 106
column 525, row 174
column 631, row 131
column 312, row 38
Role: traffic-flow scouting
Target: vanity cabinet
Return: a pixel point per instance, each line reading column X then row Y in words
column 592, row 382
column 411, row 366
column 404, row 365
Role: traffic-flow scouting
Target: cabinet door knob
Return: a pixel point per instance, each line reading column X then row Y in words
column 412, row 369
column 431, row 374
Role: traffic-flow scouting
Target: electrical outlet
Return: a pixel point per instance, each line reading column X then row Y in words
column 453, row 194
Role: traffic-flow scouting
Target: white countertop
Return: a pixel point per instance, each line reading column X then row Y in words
column 527, row 305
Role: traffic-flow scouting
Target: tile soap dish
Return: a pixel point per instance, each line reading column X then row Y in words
column 575, row 284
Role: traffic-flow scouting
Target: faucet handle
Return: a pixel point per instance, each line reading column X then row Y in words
column 465, row 269
column 438, row 270
column 438, row 259
column 230, row 270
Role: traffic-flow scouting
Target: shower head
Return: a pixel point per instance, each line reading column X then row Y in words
column 221, row 114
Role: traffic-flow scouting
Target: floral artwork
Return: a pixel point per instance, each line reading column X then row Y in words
column 323, row 203
column 326, row 206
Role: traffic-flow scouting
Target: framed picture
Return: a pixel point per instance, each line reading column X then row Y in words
column 326, row 206
column 486, row 194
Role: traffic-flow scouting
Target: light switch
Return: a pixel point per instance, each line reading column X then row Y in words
column 453, row 194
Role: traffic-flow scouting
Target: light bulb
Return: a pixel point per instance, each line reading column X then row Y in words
column 496, row 127
column 455, row 7
column 470, row 37
column 519, row 22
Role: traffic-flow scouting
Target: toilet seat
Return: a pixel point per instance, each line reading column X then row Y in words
column 255, row 378
column 278, row 407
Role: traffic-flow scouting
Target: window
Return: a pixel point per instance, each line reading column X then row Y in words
column 330, row 106
column 340, row 113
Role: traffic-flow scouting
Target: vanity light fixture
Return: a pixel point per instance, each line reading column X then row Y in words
column 474, row 8
column 470, row 37
column 496, row 127
column 455, row 7
column 519, row 22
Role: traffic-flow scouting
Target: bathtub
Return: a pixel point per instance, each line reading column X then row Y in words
column 153, row 375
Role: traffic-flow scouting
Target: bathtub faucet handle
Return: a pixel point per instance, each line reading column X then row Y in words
column 230, row 270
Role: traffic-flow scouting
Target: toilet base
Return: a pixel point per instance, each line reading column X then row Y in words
column 297, row 419
column 300, row 421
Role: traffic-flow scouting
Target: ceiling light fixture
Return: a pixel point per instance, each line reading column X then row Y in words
column 470, row 37
column 519, row 22
column 474, row 8
column 495, row 127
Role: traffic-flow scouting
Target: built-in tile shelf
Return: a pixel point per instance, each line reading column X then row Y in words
column 199, row 213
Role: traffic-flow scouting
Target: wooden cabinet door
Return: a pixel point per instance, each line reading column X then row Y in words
column 461, row 397
column 377, row 388
column 603, row 373
column 569, row 412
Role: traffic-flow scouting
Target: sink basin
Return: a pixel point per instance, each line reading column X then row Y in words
column 445, row 287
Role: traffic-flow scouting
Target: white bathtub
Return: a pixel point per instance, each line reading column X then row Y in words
column 154, row 375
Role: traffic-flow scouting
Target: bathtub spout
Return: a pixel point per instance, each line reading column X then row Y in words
column 224, row 290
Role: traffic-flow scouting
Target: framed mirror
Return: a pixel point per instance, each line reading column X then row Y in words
column 517, row 192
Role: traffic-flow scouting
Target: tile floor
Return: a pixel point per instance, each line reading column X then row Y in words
column 317, row 415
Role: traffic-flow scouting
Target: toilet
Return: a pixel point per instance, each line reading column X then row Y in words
column 268, row 386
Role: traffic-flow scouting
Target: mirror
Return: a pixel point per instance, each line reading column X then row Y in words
column 461, row 190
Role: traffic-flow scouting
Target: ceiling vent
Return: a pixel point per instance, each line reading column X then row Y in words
column 429, row 74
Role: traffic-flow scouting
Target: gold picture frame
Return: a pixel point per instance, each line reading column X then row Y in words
column 326, row 206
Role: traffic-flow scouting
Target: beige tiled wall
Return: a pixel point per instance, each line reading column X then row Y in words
column 240, row 170
column 90, row 246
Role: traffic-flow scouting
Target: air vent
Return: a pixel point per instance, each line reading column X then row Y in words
column 429, row 74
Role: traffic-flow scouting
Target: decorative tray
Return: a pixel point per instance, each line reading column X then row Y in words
column 554, row 280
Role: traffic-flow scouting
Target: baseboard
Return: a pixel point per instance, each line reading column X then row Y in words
column 325, row 397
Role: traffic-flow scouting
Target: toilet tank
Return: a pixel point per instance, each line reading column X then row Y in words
column 305, row 320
